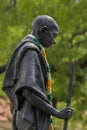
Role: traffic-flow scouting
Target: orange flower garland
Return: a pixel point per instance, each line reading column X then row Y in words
column 48, row 83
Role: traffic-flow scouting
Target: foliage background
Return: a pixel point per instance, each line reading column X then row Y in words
column 16, row 17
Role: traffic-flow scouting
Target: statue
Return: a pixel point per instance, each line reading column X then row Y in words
column 27, row 80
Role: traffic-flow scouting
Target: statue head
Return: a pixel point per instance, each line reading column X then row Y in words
column 45, row 29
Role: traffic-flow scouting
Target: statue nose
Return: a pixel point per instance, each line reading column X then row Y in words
column 54, row 41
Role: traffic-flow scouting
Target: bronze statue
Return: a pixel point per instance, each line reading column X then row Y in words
column 26, row 77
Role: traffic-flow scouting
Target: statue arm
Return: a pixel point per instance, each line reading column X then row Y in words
column 44, row 106
column 31, row 69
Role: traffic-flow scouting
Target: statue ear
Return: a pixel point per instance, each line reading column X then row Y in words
column 43, row 29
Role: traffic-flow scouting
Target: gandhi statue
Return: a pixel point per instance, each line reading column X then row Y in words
column 26, row 78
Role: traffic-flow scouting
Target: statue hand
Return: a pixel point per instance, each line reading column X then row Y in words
column 65, row 113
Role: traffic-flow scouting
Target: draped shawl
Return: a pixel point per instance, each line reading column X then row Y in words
column 27, row 69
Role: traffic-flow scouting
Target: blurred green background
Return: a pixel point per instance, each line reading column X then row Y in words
column 16, row 17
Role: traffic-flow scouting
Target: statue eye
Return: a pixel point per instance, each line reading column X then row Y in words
column 55, row 34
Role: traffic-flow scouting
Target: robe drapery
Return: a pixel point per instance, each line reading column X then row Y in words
column 27, row 69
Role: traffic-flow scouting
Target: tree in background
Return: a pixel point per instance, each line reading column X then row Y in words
column 16, row 17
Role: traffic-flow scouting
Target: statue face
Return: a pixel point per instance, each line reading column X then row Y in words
column 45, row 29
column 47, row 36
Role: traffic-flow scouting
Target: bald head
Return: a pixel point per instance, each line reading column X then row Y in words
column 45, row 29
column 43, row 20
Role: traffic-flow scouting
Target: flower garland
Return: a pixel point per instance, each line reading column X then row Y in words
column 48, row 83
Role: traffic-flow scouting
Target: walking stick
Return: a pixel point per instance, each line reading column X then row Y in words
column 69, row 93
